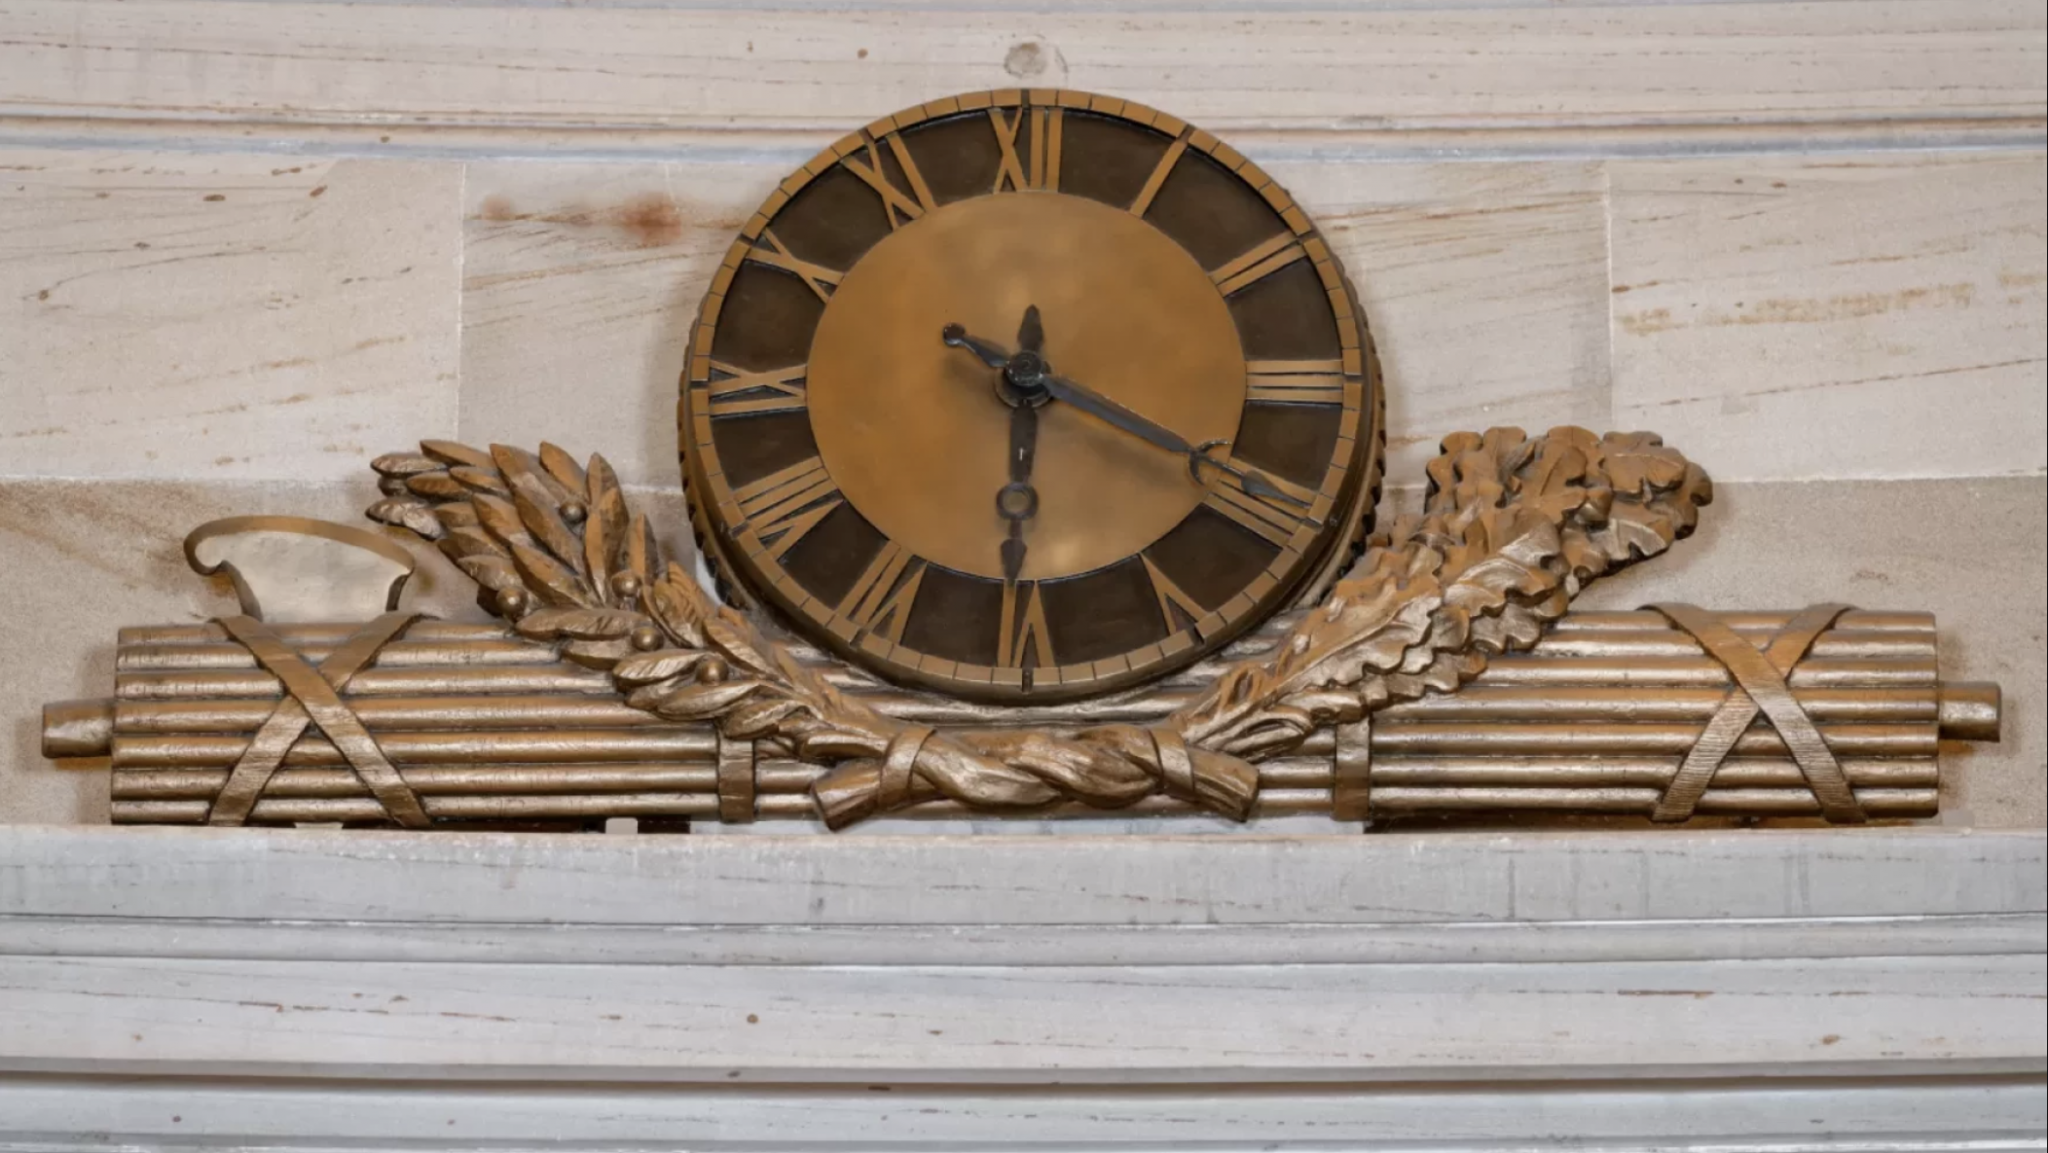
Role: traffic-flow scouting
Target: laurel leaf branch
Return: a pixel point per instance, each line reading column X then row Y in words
column 1512, row 529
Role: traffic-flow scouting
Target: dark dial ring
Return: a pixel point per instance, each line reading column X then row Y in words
column 840, row 457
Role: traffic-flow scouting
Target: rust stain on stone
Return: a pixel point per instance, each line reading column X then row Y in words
column 1848, row 306
column 1646, row 322
column 1806, row 310
column 650, row 220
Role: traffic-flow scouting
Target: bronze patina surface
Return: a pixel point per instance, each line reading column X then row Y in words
column 1056, row 418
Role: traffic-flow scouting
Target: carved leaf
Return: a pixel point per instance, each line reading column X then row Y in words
column 701, row 702
column 561, row 466
column 468, row 542
column 581, row 624
column 501, row 520
column 604, row 527
column 597, row 654
column 481, row 480
column 672, row 608
column 646, row 697
column 547, row 526
column 736, row 646
column 403, row 464
column 757, row 718
column 406, row 514
column 643, row 553
column 457, row 514
column 450, row 453
column 522, row 470
column 660, row 665
column 437, row 485
column 493, row 572
column 1638, row 459
column 546, row 577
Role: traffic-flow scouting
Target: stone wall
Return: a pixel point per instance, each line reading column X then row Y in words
column 247, row 246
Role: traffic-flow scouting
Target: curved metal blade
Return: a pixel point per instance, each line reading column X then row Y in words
column 1031, row 334
column 992, row 355
column 1256, row 484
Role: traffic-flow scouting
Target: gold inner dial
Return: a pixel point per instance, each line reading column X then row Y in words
column 914, row 433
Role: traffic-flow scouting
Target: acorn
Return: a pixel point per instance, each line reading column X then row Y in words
column 647, row 638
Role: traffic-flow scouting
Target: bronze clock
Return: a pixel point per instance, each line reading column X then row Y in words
column 1029, row 395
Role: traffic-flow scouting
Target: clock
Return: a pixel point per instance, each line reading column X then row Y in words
column 1025, row 396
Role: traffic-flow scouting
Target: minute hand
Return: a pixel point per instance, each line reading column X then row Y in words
column 1119, row 417
column 1116, row 415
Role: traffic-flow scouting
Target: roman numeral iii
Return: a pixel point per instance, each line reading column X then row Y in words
column 1295, row 381
column 784, row 388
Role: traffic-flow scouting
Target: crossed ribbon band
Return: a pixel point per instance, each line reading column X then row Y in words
column 313, row 697
column 1760, row 687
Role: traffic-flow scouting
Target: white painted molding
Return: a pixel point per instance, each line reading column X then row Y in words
column 1298, row 65
column 1752, row 990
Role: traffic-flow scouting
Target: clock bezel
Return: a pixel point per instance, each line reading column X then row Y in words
column 1303, row 569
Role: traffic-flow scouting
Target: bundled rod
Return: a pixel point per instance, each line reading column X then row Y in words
column 486, row 725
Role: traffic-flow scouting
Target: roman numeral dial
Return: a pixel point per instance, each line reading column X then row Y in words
column 1146, row 434
column 816, row 277
column 1259, row 262
column 1295, row 381
column 746, row 392
column 1023, row 640
column 783, row 506
column 904, row 198
column 880, row 601
column 1043, row 173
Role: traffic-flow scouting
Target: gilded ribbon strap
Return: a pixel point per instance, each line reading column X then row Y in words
column 1176, row 768
column 311, row 696
column 1759, row 687
column 893, row 789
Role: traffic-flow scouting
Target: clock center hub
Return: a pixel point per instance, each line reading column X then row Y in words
column 1024, row 379
column 916, row 435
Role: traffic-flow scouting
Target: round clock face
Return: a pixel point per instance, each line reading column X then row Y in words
column 1027, row 395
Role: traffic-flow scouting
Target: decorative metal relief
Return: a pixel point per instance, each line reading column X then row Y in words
column 1033, row 438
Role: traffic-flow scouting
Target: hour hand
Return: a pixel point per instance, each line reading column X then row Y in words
column 993, row 355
